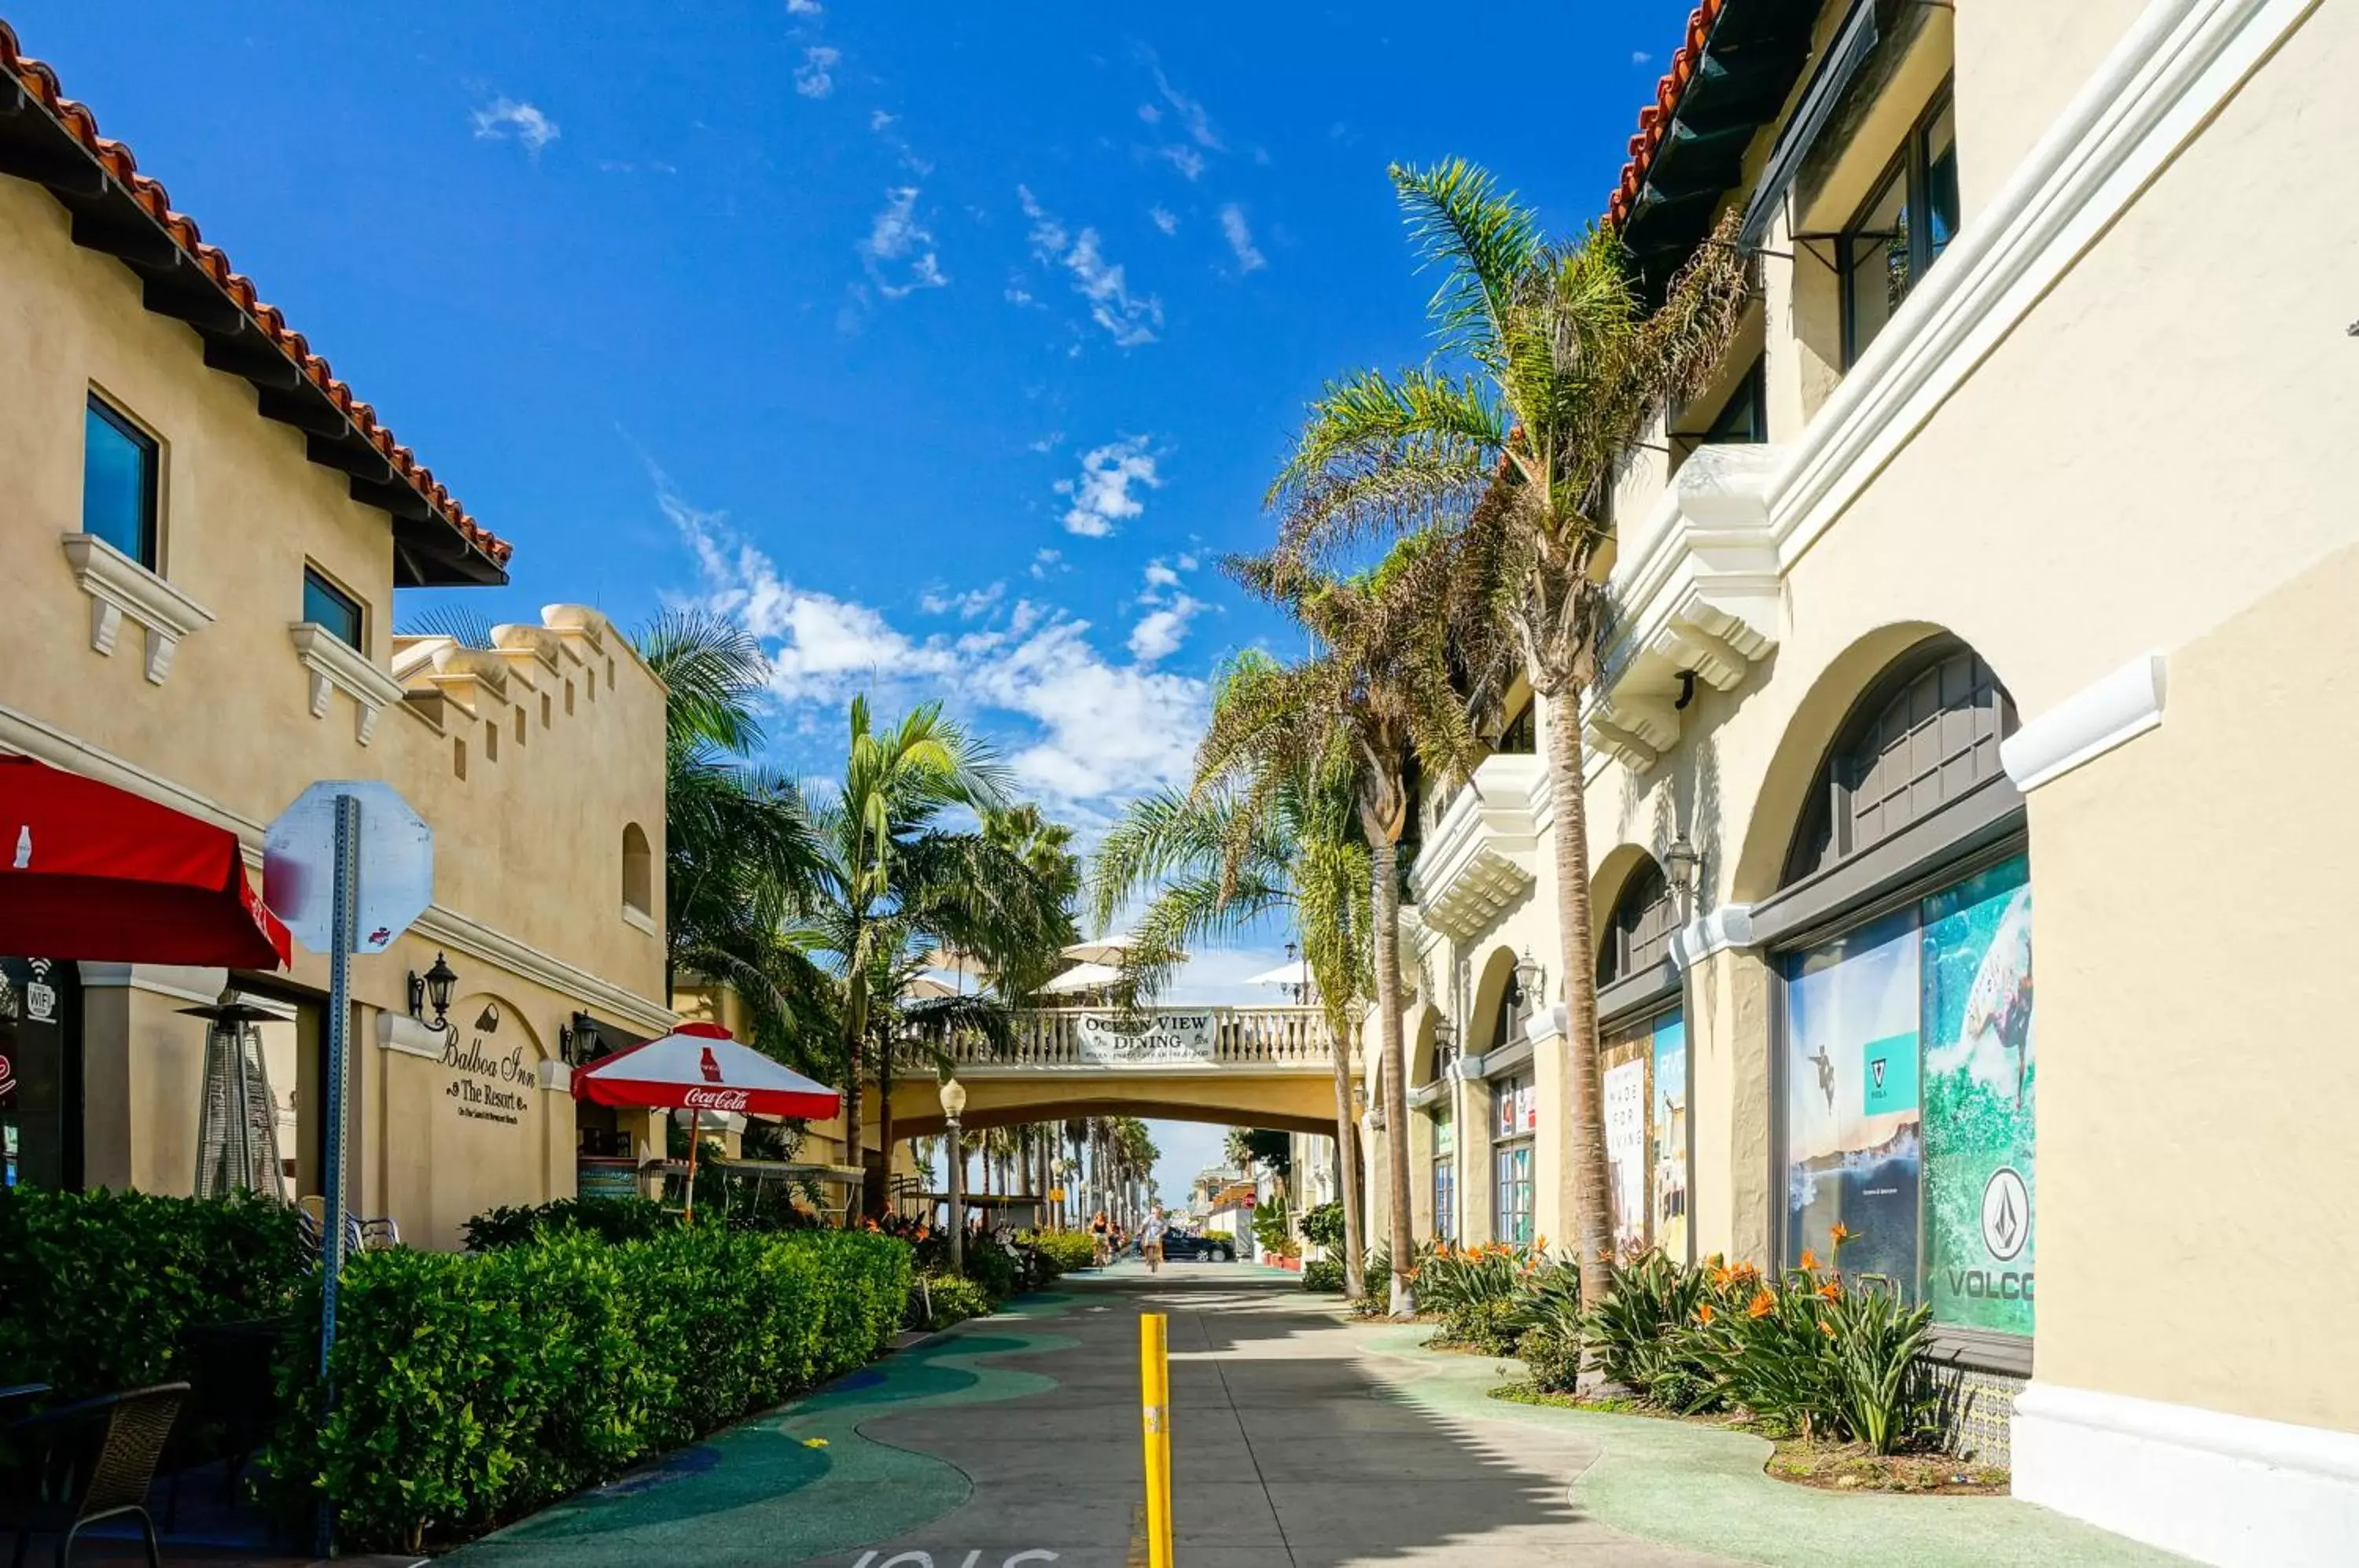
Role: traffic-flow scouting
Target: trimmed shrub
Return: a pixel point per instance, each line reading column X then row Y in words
column 941, row 1299
column 473, row 1387
column 1067, row 1250
column 1324, row 1274
column 96, row 1288
column 608, row 1219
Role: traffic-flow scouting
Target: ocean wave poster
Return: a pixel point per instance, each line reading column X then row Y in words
column 1981, row 1092
column 1853, row 1148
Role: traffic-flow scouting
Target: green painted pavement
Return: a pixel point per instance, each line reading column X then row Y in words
column 759, row 1493
column 1704, row 1488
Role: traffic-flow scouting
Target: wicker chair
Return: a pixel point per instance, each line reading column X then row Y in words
column 92, row 1460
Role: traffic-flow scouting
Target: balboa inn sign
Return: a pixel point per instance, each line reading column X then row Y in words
column 487, row 1083
column 1115, row 1038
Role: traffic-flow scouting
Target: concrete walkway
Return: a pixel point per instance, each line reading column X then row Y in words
column 1300, row 1439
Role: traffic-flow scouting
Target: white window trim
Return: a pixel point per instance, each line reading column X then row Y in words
column 336, row 666
column 120, row 586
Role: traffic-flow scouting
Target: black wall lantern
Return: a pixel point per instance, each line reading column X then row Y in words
column 578, row 1041
column 433, row 987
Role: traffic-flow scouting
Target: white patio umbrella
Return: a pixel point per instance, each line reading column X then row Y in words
column 700, row 1068
column 1295, row 973
column 1109, row 950
column 1081, row 977
column 926, row 988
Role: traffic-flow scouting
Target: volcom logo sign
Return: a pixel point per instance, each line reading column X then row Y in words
column 2006, row 1214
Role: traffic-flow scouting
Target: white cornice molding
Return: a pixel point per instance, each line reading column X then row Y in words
column 2221, row 1488
column 1715, row 930
column 2092, row 721
column 182, row 982
column 411, row 1037
column 21, row 732
column 335, row 666
column 2167, row 76
column 120, row 586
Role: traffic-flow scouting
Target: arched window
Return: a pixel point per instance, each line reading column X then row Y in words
column 1924, row 735
column 1638, row 933
column 638, row 871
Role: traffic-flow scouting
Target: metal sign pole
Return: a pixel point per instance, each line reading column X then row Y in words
column 347, row 896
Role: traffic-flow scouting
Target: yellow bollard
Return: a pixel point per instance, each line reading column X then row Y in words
column 1155, row 1401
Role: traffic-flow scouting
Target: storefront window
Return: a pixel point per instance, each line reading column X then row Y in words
column 1910, row 1066
column 1516, row 1118
column 1445, row 1200
column 1646, row 1080
column 40, row 1074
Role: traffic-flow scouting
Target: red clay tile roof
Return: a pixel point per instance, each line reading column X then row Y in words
column 41, row 81
column 1656, row 117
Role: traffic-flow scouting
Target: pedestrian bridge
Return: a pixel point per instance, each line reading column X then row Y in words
column 1262, row 1066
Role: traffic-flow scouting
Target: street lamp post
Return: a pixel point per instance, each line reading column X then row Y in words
column 953, row 1104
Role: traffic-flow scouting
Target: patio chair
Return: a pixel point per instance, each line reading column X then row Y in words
column 91, row 1460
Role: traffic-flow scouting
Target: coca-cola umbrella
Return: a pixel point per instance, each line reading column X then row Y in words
column 702, row 1067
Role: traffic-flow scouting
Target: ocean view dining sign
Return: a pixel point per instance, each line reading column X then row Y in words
column 1113, row 1039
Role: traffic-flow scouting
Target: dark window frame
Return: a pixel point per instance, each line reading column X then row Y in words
column 1825, row 835
column 1638, row 931
column 1750, row 396
column 1912, row 167
column 340, row 598
column 150, row 551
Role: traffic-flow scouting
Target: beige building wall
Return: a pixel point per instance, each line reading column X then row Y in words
column 528, row 761
column 2100, row 444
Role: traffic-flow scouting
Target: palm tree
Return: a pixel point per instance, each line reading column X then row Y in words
column 1550, row 363
column 1218, row 862
column 1385, row 688
column 895, row 879
column 740, row 852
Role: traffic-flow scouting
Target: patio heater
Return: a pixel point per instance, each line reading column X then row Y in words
column 237, row 1115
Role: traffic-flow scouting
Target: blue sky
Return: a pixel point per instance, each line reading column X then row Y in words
column 949, row 346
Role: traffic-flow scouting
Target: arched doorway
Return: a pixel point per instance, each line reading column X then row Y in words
column 1904, row 1079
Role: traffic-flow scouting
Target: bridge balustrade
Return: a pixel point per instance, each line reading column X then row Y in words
column 1179, row 1038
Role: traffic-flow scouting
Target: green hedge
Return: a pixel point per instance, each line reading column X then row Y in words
column 609, row 1219
column 1064, row 1250
column 96, row 1288
column 472, row 1389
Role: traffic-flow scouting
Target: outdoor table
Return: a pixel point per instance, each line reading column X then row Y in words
column 15, row 1395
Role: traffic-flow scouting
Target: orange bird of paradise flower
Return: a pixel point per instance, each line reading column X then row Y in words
column 1831, row 1290
column 1762, row 1305
column 1809, row 1260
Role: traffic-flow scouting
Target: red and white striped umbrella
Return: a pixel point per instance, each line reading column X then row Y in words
column 699, row 1067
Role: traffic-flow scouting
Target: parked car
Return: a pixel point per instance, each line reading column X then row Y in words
column 1180, row 1245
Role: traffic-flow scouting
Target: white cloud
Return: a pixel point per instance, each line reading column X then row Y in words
column 1185, row 159
column 1130, row 320
column 880, row 121
column 803, row 7
column 1160, row 631
column 1640, row 57
column 1048, row 442
column 813, row 77
column 1047, row 561
column 969, row 605
column 1240, row 238
column 1111, row 730
column 506, row 119
column 1191, row 113
column 1150, row 114
column 1164, row 218
column 1101, row 496
column 1084, row 733
column 1161, row 576
column 898, row 252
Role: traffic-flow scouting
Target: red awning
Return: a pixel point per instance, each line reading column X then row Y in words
column 89, row 871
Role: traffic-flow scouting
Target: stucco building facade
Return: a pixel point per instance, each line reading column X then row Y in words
column 1995, row 604
column 203, row 539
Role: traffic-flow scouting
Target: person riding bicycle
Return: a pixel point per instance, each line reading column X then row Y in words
column 1101, row 1239
column 1150, row 1238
